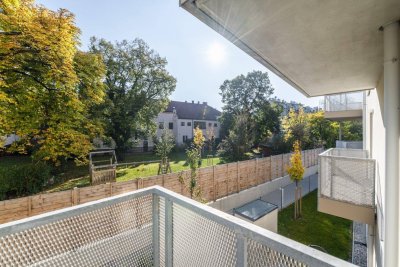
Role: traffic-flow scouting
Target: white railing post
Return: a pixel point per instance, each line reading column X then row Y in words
column 168, row 233
column 156, row 230
column 241, row 250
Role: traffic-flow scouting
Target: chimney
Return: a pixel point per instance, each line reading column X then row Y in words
column 185, row 101
column 192, row 101
column 205, row 103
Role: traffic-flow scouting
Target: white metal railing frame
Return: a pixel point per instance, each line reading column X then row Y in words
column 355, row 158
column 245, row 231
column 344, row 101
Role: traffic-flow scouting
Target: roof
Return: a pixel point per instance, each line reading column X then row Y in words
column 193, row 111
column 319, row 47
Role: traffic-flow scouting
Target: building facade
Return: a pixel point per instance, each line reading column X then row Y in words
column 181, row 118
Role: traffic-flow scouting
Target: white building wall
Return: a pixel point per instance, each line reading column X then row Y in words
column 185, row 130
column 375, row 144
column 180, row 130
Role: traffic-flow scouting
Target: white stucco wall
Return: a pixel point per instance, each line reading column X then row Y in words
column 375, row 144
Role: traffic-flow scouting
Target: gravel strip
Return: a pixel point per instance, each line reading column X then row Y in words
column 359, row 244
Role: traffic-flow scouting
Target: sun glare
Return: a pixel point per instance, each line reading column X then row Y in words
column 216, row 53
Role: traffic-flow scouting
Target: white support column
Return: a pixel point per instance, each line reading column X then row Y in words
column 391, row 40
column 364, row 120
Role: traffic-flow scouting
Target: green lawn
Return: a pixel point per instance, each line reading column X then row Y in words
column 332, row 233
column 177, row 162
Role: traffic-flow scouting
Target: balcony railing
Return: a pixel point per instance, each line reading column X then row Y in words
column 149, row 227
column 347, row 175
column 343, row 102
column 349, row 144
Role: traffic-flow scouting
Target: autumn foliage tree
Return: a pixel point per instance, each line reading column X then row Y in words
column 47, row 87
column 193, row 154
column 296, row 172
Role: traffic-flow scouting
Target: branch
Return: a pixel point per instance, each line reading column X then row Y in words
column 32, row 77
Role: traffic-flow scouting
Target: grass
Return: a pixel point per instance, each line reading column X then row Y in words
column 126, row 173
column 332, row 233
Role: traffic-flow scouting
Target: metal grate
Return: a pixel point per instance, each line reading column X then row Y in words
column 347, row 175
column 261, row 255
column 210, row 243
column 117, row 235
column 149, row 227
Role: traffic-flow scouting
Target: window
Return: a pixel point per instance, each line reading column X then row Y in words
column 161, row 125
column 185, row 138
column 215, row 124
column 200, row 124
column 209, row 125
column 189, row 123
column 171, row 125
column 182, row 123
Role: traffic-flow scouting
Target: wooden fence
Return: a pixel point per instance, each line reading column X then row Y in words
column 215, row 182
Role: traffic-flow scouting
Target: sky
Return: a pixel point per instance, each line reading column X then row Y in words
column 198, row 57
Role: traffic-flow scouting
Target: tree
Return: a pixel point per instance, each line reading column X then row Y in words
column 45, row 84
column 210, row 140
column 164, row 146
column 267, row 121
column 323, row 132
column 296, row 172
column 352, row 130
column 296, row 127
column 239, row 141
column 138, row 86
column 248, row 97
column 193, row 154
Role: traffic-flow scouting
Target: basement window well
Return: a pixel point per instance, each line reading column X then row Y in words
column 259, row 212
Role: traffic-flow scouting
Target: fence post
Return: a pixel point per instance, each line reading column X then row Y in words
column 257, row 177
column 227, row 182
column 270, row 167
column 237, row 177
column 156, row 230
column 75, row 196
column 282, row 195
column 168, row 233
column 29, row 205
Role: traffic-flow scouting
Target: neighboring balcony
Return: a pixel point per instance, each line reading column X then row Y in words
column 346, row 106
column 149, row 227
column 347, row 184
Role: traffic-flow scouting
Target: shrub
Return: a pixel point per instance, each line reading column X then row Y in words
column 17, row 180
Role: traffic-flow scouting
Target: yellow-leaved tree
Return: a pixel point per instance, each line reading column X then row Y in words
column 193, row 154
column 296, row 172
column 47, row 87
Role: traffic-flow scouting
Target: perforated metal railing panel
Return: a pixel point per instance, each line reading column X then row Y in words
column 117, row 235
column 345, row 177
column 199, row 241
column 149, row 227
column 261, row 255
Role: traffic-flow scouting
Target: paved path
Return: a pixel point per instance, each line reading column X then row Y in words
column 285, row 196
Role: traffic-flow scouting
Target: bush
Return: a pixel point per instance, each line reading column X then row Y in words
column 17, row 180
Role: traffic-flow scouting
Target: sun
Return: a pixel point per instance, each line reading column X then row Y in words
column 216, row 53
